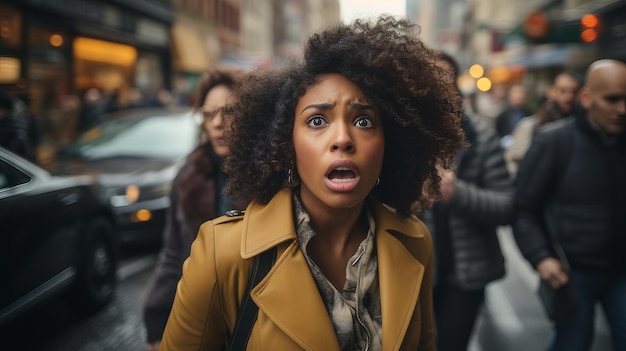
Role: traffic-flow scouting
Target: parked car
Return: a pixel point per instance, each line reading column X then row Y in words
column 56, row 236
column 135, row 154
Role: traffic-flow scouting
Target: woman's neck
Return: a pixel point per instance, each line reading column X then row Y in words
column 339, row 231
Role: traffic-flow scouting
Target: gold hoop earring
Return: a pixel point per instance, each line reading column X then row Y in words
column 290, row 179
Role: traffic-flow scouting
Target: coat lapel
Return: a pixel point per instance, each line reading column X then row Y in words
column 399, row 273
column 288, row 294
column 400, row 277
column 289, row 297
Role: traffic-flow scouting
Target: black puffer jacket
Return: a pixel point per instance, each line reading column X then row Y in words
column 482, row 201
column 572, row 182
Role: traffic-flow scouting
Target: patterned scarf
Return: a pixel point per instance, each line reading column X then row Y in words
column 355, row 311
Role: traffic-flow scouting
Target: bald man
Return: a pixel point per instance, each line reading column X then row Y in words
column 571, row 193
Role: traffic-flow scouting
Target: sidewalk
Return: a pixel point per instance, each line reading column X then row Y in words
column 512, row 318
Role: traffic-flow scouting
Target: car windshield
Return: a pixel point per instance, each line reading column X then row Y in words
column 154, row 137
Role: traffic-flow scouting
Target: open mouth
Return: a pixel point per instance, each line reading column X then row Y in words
column 342, row 175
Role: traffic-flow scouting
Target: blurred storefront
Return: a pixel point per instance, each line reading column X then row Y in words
column 52, row 51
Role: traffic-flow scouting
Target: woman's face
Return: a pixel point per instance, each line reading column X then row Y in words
column 212, row 122
column 339, row 144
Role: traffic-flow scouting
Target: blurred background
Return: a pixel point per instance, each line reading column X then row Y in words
column 68, row 62
column 54, row 52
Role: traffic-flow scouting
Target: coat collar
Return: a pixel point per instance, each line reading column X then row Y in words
column 265, row 226
column 288, row 294
column 273, row 223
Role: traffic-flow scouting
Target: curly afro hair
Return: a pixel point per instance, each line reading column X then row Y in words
column 397, row 72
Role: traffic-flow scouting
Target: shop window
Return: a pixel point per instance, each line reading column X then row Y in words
column 10, row 42
column 103, row 51
column 107, row 66
column 49, row 84
column 9, row 70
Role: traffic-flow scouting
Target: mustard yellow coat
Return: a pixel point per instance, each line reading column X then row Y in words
column 292, row 315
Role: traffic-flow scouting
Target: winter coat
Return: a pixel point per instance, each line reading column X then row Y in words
column 482, row 201
column 292, row 314
column 571, row 185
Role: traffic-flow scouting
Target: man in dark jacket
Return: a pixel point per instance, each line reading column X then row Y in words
column 571, row 189
column 477, row 197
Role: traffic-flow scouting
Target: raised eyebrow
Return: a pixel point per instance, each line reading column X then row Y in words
column 324, row 106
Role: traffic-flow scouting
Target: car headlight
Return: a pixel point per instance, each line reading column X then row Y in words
column 124, row 196
column 130, row 194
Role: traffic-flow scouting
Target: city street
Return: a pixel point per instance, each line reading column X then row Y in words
column 118, row 326
column 512, row 319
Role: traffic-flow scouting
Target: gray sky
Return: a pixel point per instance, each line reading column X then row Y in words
column 352, row 9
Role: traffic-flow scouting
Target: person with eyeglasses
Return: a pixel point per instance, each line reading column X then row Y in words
column 196, row 197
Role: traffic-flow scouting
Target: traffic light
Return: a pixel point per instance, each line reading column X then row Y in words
column 590, row 28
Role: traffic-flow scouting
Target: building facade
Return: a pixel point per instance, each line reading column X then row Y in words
column 52, row 51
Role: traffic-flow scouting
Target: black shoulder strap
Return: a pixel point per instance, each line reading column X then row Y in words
column 246, row 316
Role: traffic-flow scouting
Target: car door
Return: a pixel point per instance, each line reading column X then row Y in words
column 38, row 237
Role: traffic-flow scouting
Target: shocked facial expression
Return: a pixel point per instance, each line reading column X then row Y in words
column 213, row 121
column 339, row 144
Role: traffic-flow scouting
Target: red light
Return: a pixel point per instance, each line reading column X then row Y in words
column 590, row 30
column 590, row 21
column 589, row 35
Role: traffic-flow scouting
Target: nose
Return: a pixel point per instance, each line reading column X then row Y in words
column 217, row 120
column 342, row 138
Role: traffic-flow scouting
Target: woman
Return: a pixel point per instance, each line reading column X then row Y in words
column 196, row 197
column 318, row 148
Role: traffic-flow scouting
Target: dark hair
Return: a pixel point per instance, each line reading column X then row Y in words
column 451, row 61
column 217, row 76
column 394, row 69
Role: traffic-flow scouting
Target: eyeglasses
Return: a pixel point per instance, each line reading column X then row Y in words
column 209, row 114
